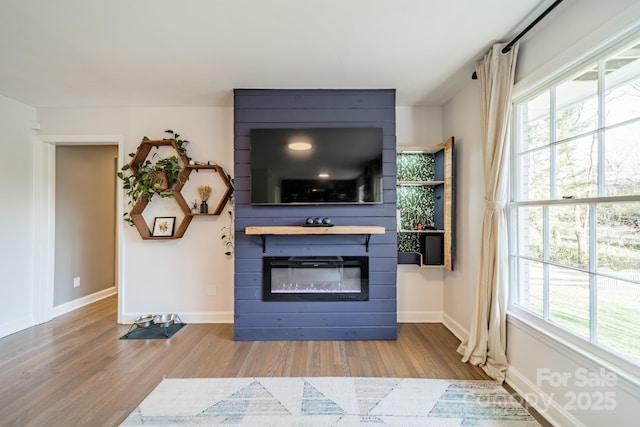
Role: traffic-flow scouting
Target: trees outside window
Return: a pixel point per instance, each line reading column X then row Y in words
column 575, row 205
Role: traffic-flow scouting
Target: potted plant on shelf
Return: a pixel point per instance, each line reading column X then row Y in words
column 205, row 193
column 151, row 177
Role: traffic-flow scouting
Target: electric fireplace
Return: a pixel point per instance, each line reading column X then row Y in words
column 315, row 278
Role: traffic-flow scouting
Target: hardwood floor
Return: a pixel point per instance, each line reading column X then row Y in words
column 74, row 370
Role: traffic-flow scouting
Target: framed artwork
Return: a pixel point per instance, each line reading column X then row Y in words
column 163, row 226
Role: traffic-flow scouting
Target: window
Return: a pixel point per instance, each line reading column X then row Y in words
column 575, row 204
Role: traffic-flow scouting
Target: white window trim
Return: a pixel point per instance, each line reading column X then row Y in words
column 625, row 368
column 627, row 374
column 557, row 69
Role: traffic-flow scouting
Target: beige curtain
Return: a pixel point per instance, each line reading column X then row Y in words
column 486, row 345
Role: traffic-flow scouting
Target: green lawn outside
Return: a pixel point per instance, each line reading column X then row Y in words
column 618, row 306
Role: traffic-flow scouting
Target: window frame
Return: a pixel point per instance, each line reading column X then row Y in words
column 588, row 346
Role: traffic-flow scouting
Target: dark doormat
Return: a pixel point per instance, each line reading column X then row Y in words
column 153, row 332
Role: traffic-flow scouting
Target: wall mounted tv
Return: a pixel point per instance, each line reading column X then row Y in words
column 316, row 166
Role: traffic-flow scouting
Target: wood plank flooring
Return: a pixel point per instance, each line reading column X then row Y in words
column 74, row 370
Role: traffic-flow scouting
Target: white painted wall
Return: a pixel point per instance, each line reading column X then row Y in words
column 179, row 275
column 174, row 276
column 419, row 126
column 16, row 216
column 572, row 29
column 462, row 120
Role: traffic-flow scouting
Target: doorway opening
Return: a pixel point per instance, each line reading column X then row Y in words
column 78, row 289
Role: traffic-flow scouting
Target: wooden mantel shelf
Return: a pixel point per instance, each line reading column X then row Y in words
column 367, row 230
column 298, row 229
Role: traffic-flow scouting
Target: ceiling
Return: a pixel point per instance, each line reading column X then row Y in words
column 89, row 53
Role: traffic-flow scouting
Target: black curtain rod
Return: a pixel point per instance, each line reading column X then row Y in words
column 509, row 45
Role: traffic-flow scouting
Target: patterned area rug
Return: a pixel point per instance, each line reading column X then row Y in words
column 325, row 401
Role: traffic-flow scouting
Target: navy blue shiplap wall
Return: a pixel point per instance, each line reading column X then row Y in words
column 292, row 320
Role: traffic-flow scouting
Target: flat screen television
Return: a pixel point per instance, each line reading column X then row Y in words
column 316, row 166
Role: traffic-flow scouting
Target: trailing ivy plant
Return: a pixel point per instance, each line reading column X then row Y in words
column 227, row 231
column 227, row 235
column 152, row 177
column 181, row 143
column 149, row 179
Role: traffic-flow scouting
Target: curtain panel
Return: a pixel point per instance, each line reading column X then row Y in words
column 486, row 344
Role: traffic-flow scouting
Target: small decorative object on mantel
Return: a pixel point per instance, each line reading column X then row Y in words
column 318, row 222
column 205, row 192
column 195, row 208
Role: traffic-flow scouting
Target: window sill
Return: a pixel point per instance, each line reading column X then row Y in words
column 580, row 351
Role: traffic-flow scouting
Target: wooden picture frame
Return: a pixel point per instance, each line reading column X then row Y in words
column 163, row 226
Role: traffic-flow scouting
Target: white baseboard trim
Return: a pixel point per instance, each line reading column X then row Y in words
column 539, row 400
column 190, row 317
column 456, row 328
column 419, row 317
column 81, row 302
column 16, row 325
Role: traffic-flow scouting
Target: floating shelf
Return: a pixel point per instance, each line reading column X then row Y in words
column 419, row 183
column 225, row 180
column 366, row 230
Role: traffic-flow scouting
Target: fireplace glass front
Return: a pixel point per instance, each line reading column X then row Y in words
column 322, row 278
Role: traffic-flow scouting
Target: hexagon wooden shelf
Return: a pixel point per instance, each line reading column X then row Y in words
column 145, row 148
column 138, row 208
column 143, row 228
column 225, row 180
